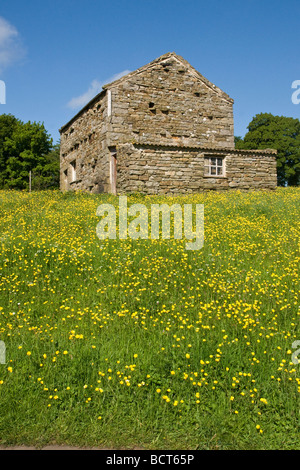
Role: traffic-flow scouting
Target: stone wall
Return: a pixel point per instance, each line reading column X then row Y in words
column 83, row 140
column 169, row 102
column 170, row 170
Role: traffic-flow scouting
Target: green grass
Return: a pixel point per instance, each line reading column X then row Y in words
column 151, row 337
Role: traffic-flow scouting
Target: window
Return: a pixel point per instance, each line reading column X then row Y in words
column 214, row 166
column 73, row 171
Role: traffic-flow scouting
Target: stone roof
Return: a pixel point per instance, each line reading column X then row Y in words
column 202, row 148
column 82, row 110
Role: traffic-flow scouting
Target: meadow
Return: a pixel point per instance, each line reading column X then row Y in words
column 123, row 343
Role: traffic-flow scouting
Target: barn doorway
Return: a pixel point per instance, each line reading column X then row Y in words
column 113, row 170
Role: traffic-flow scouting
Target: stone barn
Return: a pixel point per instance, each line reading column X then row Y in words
column 163, row 128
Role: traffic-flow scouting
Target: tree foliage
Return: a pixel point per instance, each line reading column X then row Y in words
column 26, row 147
column 280, row 133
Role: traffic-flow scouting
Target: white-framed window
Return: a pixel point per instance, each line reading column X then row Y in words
column 73, row 170
column 214, row 165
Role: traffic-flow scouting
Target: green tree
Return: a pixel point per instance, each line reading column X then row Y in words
column 26, row 147
column 8, row 125
column 47, row 176
column 237, row 140
column 280, row 133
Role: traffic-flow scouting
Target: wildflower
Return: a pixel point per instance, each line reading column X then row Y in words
column 263, row 400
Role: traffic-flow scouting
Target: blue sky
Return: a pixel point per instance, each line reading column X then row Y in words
column 54, row 54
